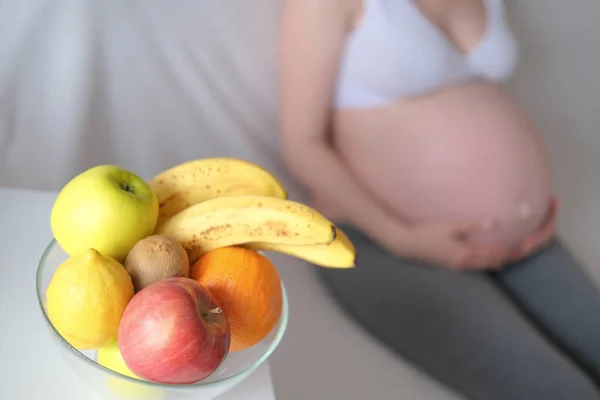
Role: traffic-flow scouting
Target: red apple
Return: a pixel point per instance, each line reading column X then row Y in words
column 173, row 332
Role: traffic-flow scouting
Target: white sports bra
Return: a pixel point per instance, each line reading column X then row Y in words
column 396, row 52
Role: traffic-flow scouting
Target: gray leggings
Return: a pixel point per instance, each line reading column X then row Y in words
column 529, row 332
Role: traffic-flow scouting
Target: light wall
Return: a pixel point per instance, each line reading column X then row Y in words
column 558, row 83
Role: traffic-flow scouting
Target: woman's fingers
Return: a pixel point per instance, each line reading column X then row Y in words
column 481, row 257
column 462, row 230
column 545, row 233
column 540, row 237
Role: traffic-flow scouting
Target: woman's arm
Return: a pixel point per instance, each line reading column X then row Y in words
column 312, row 40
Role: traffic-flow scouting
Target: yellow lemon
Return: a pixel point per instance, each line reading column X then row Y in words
column 86, row 299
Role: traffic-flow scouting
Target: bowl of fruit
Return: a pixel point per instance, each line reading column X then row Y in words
column 163, row 289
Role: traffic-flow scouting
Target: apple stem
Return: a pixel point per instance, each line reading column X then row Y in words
column 214, row 311
column 127, row 188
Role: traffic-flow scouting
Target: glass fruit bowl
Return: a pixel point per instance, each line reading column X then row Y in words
column 236, row 367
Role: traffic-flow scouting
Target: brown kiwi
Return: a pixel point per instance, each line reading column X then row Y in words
column 155, row 258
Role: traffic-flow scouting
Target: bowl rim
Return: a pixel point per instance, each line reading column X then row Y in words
column 282, row 327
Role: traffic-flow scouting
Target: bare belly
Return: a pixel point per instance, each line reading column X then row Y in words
column 465, row 152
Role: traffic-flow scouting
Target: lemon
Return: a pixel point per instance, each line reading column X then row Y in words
column 86, row 299
column 110, row 357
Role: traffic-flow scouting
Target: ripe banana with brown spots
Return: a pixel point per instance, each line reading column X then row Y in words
column 193, row 182
column 237, row 220
column 339, row 253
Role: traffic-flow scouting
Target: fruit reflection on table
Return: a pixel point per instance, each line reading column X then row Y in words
column 166, row 277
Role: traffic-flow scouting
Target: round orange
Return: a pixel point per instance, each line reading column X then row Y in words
column 246, row 285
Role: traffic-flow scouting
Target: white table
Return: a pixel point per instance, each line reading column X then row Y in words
column 30, row 366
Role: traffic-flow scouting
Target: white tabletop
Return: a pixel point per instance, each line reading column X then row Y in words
column 30, row 366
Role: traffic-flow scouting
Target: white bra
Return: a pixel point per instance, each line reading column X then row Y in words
column 396, row 52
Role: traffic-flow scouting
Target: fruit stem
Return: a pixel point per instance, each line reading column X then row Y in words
column 214, row 311
column 127, row 188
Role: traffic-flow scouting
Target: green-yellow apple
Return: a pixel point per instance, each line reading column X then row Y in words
column 107, row 208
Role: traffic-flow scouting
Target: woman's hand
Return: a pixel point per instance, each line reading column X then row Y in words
column 541, row 237
column 446, row 244
column 441, row 244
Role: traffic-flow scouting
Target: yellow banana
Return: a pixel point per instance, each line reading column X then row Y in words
column 192, row 182
column 236, row 220
column 337, row 254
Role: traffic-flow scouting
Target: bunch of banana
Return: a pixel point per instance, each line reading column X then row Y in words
column 219, row 202
column 192, row 182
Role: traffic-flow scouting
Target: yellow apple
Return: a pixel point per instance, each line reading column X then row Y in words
column 107, row 208
column 110, row 357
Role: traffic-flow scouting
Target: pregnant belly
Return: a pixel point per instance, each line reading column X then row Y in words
column 464, row 153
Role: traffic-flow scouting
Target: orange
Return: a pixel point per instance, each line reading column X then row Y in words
column 246, row 285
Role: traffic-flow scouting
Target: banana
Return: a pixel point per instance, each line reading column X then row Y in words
column 196, row 181
column 236, row 220
column 337, row 254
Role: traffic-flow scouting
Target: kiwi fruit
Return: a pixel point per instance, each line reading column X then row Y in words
column 155, row 258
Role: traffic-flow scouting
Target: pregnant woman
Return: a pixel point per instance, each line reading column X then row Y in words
column 393, row 118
